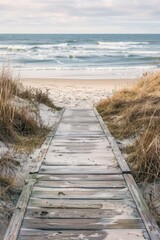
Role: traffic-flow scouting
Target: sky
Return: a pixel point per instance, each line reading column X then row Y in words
column 80, row 16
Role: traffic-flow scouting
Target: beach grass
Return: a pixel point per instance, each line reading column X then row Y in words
column 135, row 114
column 20, row 124
column 37, row 95
column 15, row 121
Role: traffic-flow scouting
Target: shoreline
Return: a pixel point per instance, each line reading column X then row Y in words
column 78, row 92
column 79, row 81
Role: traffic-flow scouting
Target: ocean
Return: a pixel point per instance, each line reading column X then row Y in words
column 81, row 55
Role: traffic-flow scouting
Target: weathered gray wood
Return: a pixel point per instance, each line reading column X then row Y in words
column 48, row 177
column 102, row 140
column 80, row 187
column 78, row 193
column 82, row 224
column 76, row 138
column 121, row 161
column 82, row 144
column 75, row 126
column 83, row 160
column 16, row 221
column 100, row 152
column 149, row 221
column 109, row 234
column 78, row 170
column 80, row 119
column 53, row 213
column 46, row 144
column 79, row 133
column 84, row 113
column 122, row 205
column 78, row 163
column 80, row 147
column 95, row 153
column 81, row 184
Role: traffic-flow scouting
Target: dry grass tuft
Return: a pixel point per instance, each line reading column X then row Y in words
column 17, row 121
column 135, row 113
column 36, row 95
column 7, row 170
column 20, row 124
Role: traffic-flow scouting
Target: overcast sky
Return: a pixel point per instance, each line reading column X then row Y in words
column 80, row 16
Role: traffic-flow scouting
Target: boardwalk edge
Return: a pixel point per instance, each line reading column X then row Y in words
column 149, row 221
column 17, row 217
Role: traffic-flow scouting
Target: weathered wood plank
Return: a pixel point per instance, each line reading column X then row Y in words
column 149, row 221
column 79, row 154
column 81, row 184
column 83, row 160
column 80, row 119
column 52, row 213
column 78, row 170
column 75, row 126
column 84, row 113
column 81, row 224
column 78, row 137
column 88, row 120
column 79, row 140
column 95, row 152
column 122, row 205
column 48, row 177
column 78, row 193
column 109, row 234
column 16, row 221
column 121, row 161
column 84, row 146
column 79, row 133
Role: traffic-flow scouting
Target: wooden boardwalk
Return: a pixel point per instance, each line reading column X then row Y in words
column 82, row 190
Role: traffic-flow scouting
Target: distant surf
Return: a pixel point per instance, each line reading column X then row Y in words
column 104, row 53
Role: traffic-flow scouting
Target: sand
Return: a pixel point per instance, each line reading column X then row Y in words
column 78, row 93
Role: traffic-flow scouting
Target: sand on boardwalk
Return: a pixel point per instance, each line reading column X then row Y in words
column 78, row 93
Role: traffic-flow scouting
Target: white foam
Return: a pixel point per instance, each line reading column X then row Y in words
column 122, row 43
column 87, row 73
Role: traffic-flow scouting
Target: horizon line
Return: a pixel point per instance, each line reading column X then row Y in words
column 82, row 33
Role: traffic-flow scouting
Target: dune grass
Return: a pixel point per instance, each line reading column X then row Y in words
column 135, row 113
column 20, row 124
column 36, row 95
column 16, row 121
column 7, row 170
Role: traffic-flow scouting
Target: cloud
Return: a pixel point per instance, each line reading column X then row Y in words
column 79, row 16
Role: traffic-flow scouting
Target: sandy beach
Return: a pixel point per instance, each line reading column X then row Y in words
column 81, row 93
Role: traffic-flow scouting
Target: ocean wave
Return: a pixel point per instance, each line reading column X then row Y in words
column 144, row 53
column 17, row 48
column 107, row 46
column 121, row 43
column 25, row 48
column 63, row 45
column 52, row 51
column 88, row 68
